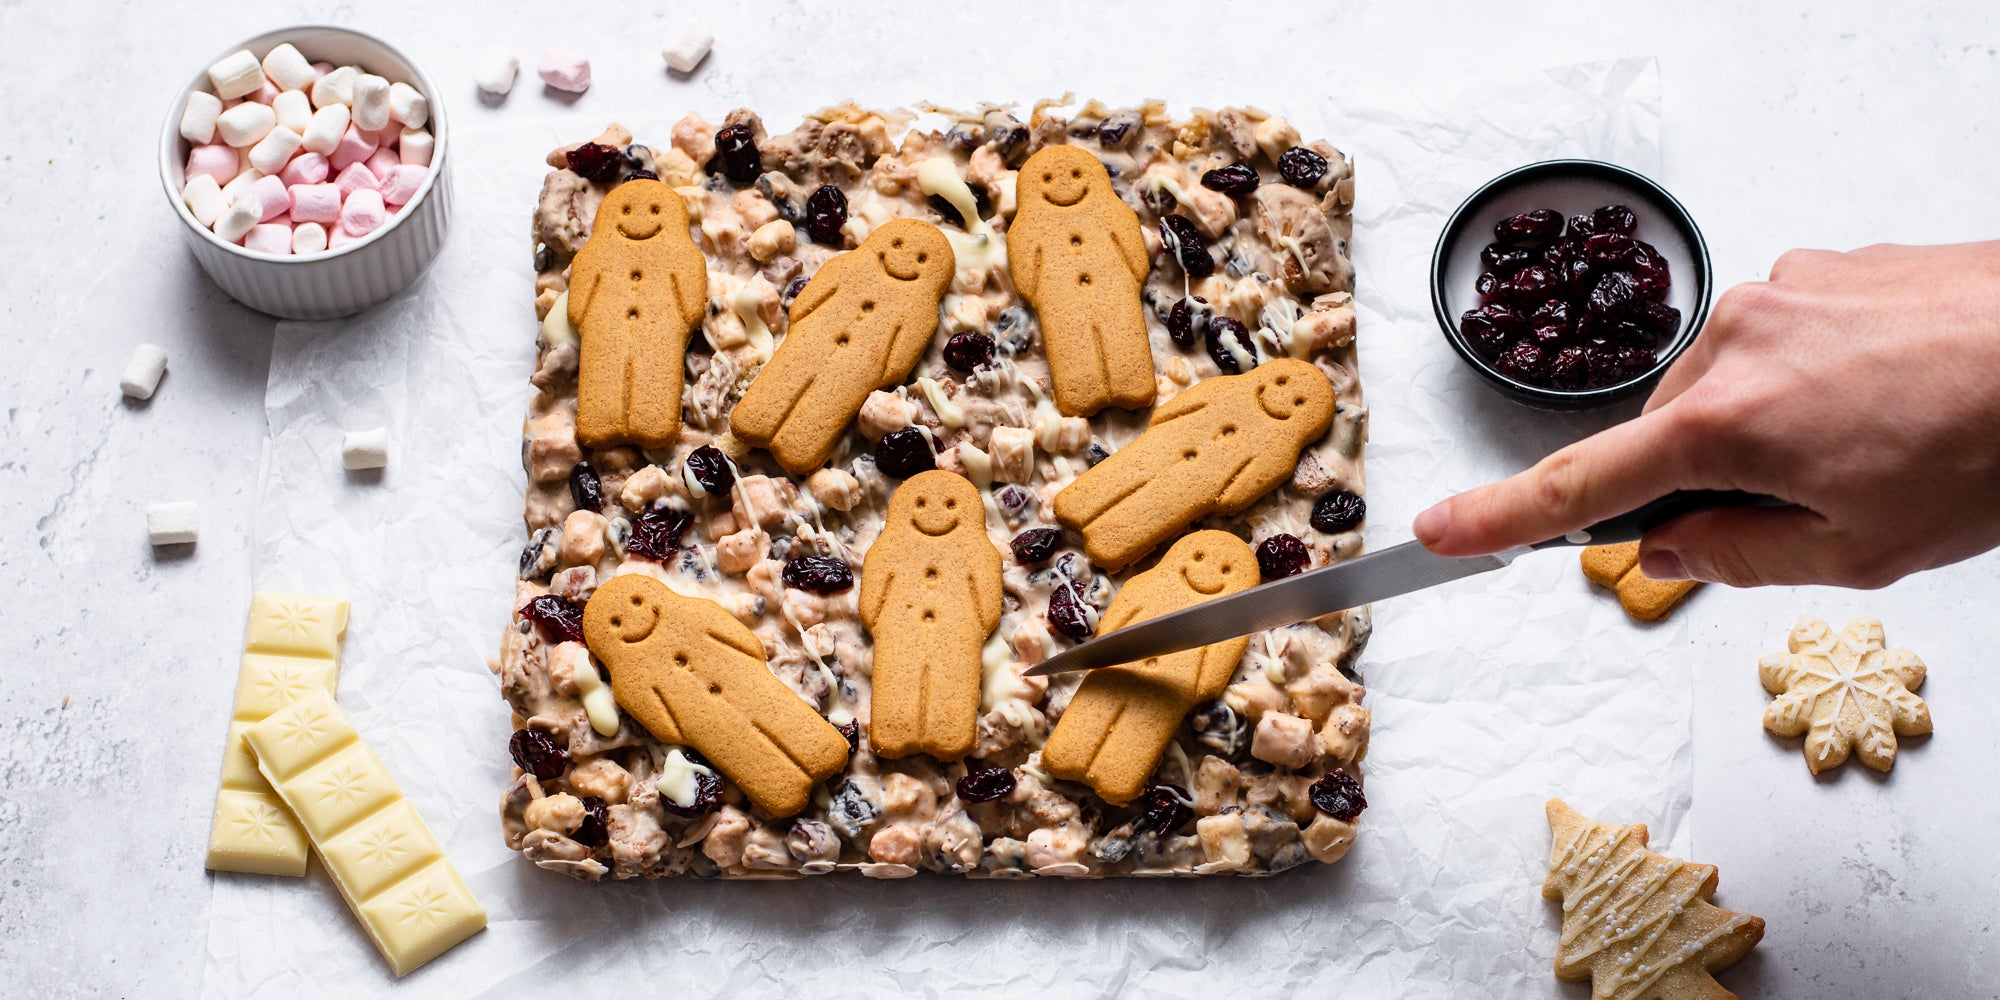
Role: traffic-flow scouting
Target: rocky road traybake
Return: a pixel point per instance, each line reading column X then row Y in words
column 1244, row 266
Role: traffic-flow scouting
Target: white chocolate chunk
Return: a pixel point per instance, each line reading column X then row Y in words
column 677, row 782
column 495, row 71
column 288, row 68
column 408, row 105
column 236, row 75
column 143, row 370
column 598, row 701
column 198, row 118
column 367, row 449
column 687, row 46
column 177, row 523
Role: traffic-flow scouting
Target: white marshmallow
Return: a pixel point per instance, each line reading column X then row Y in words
column 198, row 121
column 173, row 523
column 143, row 371
column 371, row 102
column 246, row 123
column 204, row 199
column 288, row 68
column 367, row 449
column 236, row 220
column 495, row 71
column 272, row 152
column 295, row 110
column 408, row 105
column 309, row 237
column 235, row 189
column 327, row 126
column 414, row 147
column 687, row 47
column 236, row 75
column 336, row 87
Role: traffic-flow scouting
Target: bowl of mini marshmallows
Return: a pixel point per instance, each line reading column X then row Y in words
column 307, row 166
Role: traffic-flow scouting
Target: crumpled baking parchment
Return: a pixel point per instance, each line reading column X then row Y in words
column 1489, row 696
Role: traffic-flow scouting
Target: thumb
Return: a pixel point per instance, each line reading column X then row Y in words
column 1751, row 547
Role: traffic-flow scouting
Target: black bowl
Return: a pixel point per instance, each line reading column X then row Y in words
column 1572, row 187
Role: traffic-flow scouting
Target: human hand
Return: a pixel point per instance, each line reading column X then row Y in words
column 1863, row 387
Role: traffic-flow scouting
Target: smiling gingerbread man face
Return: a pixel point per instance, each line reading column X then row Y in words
column 1281, row 392
column 1207, row 564
column 936, row 504
column 909, row 250
column 629, row 611
column 1063, row 176
column 642, row 209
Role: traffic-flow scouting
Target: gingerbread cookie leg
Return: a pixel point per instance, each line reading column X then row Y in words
column 1642, row 597
column 1117, row 729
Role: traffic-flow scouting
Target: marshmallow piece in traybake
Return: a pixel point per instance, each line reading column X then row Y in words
column 270, row 238
column 328, row 125
column 408, row 106
column 246, row 123
column 295, row 110
column 315, row 203
column 309, row 237
column 363, row 212
column 271, row 194
column 495, row 71
column 176, row 523
column 687, row 46
column 371, row 102
column 272, row 152
column 291, row 648
column 287, row 67
column 143, row 371
column 367, row 449
column 214, row 160
column 336, row 87
column 204, row 199
column 565, row 70
column 236, row 75
column 236, row 220
column 403, row 183
column 306, row 168
column 355, row 146
column 414, row 146
column 198, row 118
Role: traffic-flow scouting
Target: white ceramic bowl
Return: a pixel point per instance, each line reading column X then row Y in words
column 336, row 282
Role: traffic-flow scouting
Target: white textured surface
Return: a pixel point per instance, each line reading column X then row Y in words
column 1837, row 124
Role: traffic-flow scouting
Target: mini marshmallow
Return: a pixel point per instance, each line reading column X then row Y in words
column 356, row 177
column 495, row 70
column 240, row 185
column 687, row 47
column 386, row 135
column 381, row 162
column 198, row 119
column 283, row 218
column 414, row 147
column 306, row 168
column 355, row 146
column 371, row 102
column 565, row 70
column 173, row 523
column 288, row 68
column 315, row 202
column 327, row 126
column 403, row 183
column 295, row 110
column 339, row 238
column 246, row 123
column 271, row 194
column 143, row 371
column 367, row 449
column 269, row 238
column 309, row 237
column 272, row 152
column 236, row 221
column 236, row 74
column 408, row 105
column 265, row 94
column 363, row 212
column 214, row 160
column 321, row 68
column 336, row 87
column 204, row 199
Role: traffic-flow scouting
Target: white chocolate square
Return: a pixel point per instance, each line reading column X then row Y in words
column 349, row 783
column 381, row 849
column 255, row 833
column 296, row 626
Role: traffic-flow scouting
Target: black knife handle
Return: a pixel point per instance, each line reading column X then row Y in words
column 1628, row 527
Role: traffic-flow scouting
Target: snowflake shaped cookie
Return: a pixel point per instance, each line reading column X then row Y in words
column 1844, row 692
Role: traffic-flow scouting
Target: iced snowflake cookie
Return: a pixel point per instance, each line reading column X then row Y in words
column 776, row 488
column 1844, row 693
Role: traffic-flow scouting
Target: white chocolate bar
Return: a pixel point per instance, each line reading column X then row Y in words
column 387, row 864
column 291, row 648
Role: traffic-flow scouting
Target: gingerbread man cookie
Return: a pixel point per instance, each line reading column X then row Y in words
column 694, row 675
column 930, row 595
column 1214, row 449
column 1118, row 723
column 1078, row 257
column 636, row 291
column 861, row 324
column 1844, row 693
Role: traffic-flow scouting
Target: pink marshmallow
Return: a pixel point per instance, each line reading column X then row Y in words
column 355, row 146
column 282, row 218
column 315, row 202
column 264, row 94
column 382, row 161
column 363, row 212
column 565, row 70
column 269, row 239
column 403, row 183
column 270, row 192
column 356, row 177
column 387, row 136
column 306, row 168
column 339, row 238
column 215, row 159
column 322, row 69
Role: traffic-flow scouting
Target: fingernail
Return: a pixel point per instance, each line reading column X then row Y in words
column 1430, row 524
column 1662, row 566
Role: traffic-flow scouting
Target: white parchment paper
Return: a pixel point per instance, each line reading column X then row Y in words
column 1489, row 696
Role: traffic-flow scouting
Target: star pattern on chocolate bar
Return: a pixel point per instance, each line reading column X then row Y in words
column 304, row 727
column 381, row 847
column 295, row 618
column 425, row 904
column 281, row 686
column 344, row 785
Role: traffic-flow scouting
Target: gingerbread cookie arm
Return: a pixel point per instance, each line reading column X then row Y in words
column 1130, row 242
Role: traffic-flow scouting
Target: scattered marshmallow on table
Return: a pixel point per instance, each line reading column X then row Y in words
column 367, row 449
column 246, row 123
column 198, row 118
column 495, row 71
column 236, row 75
column 143, row 371
column 687, row 47
column 564, row 70
column 177, row 523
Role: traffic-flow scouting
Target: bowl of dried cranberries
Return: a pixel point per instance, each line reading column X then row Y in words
column 1570, row 284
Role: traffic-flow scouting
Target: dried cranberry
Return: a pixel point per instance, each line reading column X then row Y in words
column 1338, row 511
column 852, row 730
column 826, row 212
column 1523, row 362
column 1221, row 327
column 1187, row 245
column 1488, row 285
column 968, row 350
column 736, row 151
column 1618, row 365
column 1528, row 229
column 1610, row 251
column 1338, row 796
column 819, row 574
column 1614, row 219
column 1164, row 809
column 904, row 453
column 559, row 618
column 985, row 784
column 1614, row 294
column 1581, row 226
column 595, row 831
column 1185, row 322
column 584, row 489
column 1568, row 369
column 791, row 292
column 1115, row 129
column 595, row 161
column 1235, row 180
column 1301, row 167
column 535, row 752
column 1530, row 285
column 1035, row 545
column 1650, row 267
column 657, row 533
column 1486, row 333
column 711, row 469
column 1659, row 319
column 707, row 796
column 1067, row 614
column 1554, row 312
column 1281, row 555
column 1503, row 261
column 641, row 175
